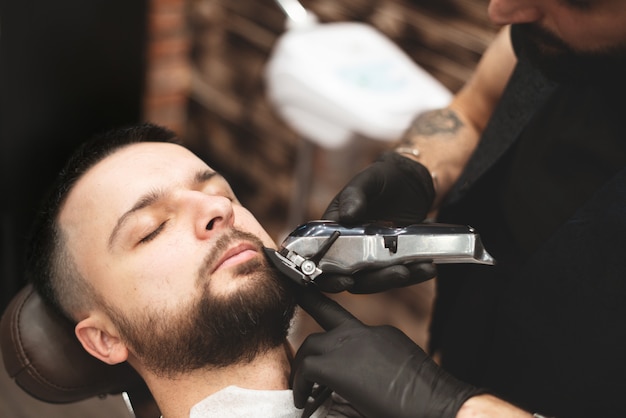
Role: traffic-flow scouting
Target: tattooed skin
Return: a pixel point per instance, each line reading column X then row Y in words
column 442, row 121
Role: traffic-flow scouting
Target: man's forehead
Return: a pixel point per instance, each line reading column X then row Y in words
column 148, row 152
column 156, row 159
column 110, row 185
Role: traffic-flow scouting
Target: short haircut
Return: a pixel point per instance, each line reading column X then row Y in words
column 49, row 267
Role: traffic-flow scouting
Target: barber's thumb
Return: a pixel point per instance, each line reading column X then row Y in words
column 326, row 312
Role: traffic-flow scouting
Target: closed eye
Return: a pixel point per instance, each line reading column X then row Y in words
column 152, row 235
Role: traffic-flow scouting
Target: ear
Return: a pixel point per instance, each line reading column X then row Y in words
column 101, row 340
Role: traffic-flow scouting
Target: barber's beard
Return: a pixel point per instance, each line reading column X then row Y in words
column 562, row 63
column 214, row 331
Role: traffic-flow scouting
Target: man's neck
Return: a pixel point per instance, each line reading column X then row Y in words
column 176, row 396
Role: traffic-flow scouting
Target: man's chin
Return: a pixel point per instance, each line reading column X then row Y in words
column 562, row 63
column 225, row 285
column 229, row 280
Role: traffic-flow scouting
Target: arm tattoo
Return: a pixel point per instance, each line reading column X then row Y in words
column 436, row 122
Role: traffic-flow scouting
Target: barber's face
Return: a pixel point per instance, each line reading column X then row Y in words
column 584, row 26
column 572, row 41
column 165, row 242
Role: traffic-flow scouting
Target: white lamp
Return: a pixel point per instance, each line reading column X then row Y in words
column 333, row 81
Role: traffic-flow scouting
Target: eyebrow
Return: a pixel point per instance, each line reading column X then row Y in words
column 151, row 198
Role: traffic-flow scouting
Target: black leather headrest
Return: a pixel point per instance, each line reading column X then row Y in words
column 43, row 355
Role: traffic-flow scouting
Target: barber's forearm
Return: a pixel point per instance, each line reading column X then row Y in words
column 488, row 406
column 446, row 138
column 442, row 140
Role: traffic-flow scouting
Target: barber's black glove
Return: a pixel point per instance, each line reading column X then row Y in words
column 379, row 370
column 373, row 281
column 393, row 189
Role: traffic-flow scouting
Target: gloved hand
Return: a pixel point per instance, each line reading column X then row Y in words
column 373, row 281
column 379, row 370
column 393, row 189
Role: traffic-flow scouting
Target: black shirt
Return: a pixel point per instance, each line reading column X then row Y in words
column 546, row 327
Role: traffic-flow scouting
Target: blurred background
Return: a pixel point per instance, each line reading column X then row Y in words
column 71, row 68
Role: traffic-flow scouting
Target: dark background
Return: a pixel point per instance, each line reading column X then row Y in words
column 68, row 69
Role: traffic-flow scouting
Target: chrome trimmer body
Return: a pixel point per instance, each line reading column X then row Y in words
column 327, row 247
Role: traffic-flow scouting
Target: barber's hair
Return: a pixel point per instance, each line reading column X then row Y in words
column 49, row 266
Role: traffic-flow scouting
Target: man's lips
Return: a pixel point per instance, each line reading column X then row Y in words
column 237, row 254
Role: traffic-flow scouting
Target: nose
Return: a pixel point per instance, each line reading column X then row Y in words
column 209, row 213
column 506, row 12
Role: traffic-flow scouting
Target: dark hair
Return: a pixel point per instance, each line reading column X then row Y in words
column 48, row 265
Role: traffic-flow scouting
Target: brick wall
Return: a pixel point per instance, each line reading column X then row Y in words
column 169, row 68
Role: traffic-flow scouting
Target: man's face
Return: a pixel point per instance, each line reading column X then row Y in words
column 569, row 39
column 175, row 257
column 586, row 26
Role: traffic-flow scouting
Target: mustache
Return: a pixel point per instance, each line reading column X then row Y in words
column 222, row 244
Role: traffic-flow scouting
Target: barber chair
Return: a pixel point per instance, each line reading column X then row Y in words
column 43, row 356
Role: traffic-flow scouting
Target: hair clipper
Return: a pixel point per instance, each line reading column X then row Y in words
column 327, row 247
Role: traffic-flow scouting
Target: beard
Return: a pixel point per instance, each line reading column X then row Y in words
column 560, row 62
column 214, row 331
